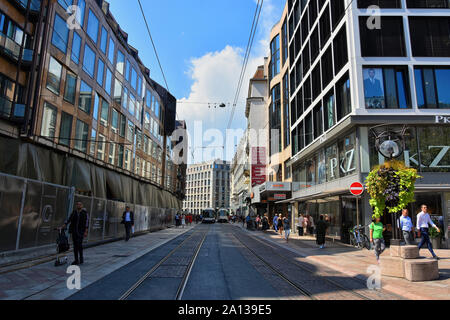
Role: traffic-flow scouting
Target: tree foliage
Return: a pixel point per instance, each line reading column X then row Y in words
column 391, row 187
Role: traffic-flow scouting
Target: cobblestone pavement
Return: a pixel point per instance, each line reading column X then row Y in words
column 355, row 263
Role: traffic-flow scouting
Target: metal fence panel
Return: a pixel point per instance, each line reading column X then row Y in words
column 97, row 218
column 11, row 191
column 31, row 215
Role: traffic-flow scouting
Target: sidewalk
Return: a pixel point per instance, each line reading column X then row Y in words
column 354, row 263
column 47, row 282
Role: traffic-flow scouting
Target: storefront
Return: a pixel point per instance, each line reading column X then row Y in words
column 269, row 196
column 322, row 177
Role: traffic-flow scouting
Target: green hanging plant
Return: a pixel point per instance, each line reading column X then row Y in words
column 391, row 187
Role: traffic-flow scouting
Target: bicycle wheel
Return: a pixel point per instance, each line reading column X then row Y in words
column 366, row 242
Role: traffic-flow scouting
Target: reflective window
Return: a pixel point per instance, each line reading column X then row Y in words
column 274, row 67
column 92, row 27
column 434, row 148
column 111, row 50
column 329, row 111
column 60, row 34
column 104, row 40
column 93, row 144
column 432, row 87
column 89, row 61
column 347, row 155
column 100, row 72
column 108, row 81
column 96, row 106
column 114, row 120
column 118, row 92
column 125, row 98
column 80, row 12
column 81, row 136
column 120, row 62
column 70, row 89
column 54, row 76
column 85, row 101
column 76, row 48
column 104, row 113
column 65, row 131
column 48, row 127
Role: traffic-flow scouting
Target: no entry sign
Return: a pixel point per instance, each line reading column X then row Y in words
column 357, row 189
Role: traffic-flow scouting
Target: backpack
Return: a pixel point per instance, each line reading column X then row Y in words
column 62, row 242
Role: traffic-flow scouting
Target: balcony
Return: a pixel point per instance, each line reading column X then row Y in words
column 12, row 50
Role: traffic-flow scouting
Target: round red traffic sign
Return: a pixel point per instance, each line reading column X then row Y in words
column 357, row 189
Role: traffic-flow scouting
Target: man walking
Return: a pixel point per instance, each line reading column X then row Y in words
column 287, row 228
column 423, row 222
column 128, row 221
column 78, row 227
column 407, row 227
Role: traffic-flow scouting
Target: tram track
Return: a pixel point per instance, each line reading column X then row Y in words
column 348, row 293
column 198, row 236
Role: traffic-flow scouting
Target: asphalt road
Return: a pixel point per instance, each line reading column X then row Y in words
column 223, row 262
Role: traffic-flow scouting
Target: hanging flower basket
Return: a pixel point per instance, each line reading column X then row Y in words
column 391, row 187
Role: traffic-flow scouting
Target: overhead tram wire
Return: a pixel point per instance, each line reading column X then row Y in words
column 246, row 57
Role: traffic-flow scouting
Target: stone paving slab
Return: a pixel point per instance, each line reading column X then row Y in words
column 354, row 263
column 47, row 282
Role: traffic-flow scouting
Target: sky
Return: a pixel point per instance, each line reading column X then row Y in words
column 201, row 46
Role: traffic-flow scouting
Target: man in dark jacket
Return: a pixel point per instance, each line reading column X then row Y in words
column 128, row 221
column 78, row 227
column 321, row 231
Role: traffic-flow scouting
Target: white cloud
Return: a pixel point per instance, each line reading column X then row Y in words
column 215, row 76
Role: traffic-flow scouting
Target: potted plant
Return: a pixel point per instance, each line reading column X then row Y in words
column 435, row 237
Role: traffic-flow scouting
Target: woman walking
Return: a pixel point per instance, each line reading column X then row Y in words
column 183, row 221
column 376, row 237
column 280, row 224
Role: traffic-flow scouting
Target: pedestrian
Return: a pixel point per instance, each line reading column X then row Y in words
column 78, row 227
column 177, row 220
column 407, row 228
column 275, row 223
column 258, row 221
column 183, row 221
column 423, row 223
column 280, row 224
column 265, row 223
column 311, row 225
column 128, row 222
column 376, row 237
column 305, row 225
column 321, row 231
column 287, row 228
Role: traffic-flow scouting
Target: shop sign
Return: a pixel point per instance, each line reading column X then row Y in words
column 443, row 119
column 280, row 196
column 258, row 166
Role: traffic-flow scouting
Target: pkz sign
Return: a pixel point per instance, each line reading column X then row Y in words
column 443, row 119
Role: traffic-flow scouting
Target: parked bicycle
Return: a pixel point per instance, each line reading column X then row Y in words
column 358, row 238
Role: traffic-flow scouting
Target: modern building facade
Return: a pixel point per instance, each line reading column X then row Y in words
column 207, row 186
column 240, row 177
column 351, row 69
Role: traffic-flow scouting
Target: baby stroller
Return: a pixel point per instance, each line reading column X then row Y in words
column 62, row 246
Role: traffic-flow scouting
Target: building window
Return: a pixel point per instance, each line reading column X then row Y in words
column 287, row 124
column 92, row 27
column 111, row 51
column 89, row 61
column 432, row 87
column 54, row 76
column 284, row 44
column 96, row 106
column 123, row 125
column 329, row 111
column 76, row 47
column 118, row 92
column 428, row 4
column 120, row 62
column 309, row 133
column 48, row 128
column 60, row 34
column 100, row 72
column 112, row 153
column 80, row 12
column 85, row 101
column 343, row 106
column 93, row 142
column 101, row 147
column 104, row 40
column 114, row 120
column 274, row 67
column 120, row 156
column 130, row 131
column 81, row 136
column 392, row 4
column 70, row 90
column 388, row 41
column 104, row 115
column 386, row 88
column 64, row 3
column 340, row 50
column 108, row 81
column 318, row 121
column 430, row 36
column 125, row 98
column 65, row 131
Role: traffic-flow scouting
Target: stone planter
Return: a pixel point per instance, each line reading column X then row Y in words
column 436, row 242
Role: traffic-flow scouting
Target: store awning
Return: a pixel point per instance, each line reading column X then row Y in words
column 432, row 187
column 317, row 195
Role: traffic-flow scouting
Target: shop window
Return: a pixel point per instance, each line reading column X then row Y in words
column 430, row 36
column 48, row 127
column 347, row 155
column 321, row 167
column 434, row 148
column 81, row 136
column 311, row 172
column 65, row 131
column 60, row 35
column 332, row 163
column 386, row 88
column 54, row 76
column 432, row 87
column 388, row 41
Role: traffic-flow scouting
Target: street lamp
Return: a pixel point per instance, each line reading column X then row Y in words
column 391, row 145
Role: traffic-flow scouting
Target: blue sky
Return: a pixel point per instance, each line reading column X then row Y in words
column 201, row 44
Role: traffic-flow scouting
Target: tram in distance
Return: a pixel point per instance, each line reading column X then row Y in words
column 223, row 215
column 208, row 216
